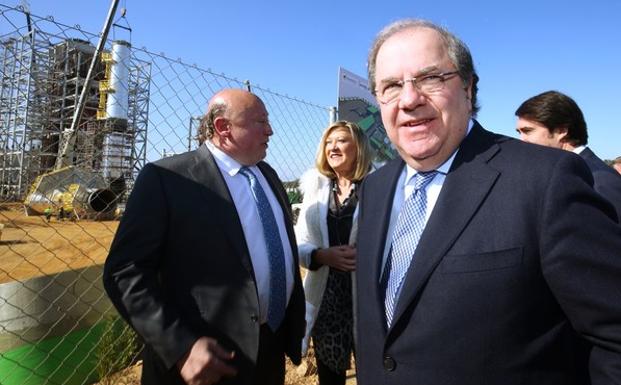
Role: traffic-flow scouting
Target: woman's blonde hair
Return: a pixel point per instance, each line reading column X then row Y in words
column 364, row 153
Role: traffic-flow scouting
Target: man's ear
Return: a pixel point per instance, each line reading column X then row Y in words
column 221, row 126
column 561, row 134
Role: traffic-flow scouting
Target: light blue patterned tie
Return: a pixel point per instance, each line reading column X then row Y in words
column 405, row 237
column 278, row 289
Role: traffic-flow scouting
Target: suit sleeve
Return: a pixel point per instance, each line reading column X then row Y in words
column 581, row 261
column 131, row 270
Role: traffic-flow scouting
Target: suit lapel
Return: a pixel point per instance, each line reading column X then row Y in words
column 214, row 189
column 378, row 214
column 465, row 188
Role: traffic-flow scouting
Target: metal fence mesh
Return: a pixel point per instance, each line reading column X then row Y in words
column 62, row 186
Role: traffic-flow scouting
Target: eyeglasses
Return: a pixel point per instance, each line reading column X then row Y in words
column 426, row 84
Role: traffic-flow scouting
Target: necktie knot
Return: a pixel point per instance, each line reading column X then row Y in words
column 422, row 179
column 245, row 171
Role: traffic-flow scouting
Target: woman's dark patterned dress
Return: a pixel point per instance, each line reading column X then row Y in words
column 333, row 330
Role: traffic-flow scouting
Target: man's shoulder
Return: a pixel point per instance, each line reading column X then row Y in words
column 181, row 163
column 173, row 160
column 606, row 179
column 598, row 166
column 518, row 149
column 517, row 153
column 267, row 168
column 517, row 160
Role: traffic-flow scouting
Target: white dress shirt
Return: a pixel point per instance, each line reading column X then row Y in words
column 247, row 211
column 405, row 188
column 578, row 150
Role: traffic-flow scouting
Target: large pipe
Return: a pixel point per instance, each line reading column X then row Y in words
column 118, row 98
column 87, row 202
column 83, row 193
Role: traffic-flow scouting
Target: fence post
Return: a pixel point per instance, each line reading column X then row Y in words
column 190, row 129
column 333, row 113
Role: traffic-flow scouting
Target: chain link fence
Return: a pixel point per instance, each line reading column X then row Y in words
column 63, row 181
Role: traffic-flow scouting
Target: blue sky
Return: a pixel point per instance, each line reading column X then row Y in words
column 520, row 48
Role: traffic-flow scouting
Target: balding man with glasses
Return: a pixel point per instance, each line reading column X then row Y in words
column 483, row 259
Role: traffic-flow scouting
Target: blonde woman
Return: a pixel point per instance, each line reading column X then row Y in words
column 325, row 231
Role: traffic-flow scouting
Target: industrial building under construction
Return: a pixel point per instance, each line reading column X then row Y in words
column 100, row 154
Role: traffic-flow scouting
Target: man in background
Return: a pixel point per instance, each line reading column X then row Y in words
column 482, row 259
column 554, row 119
column 204, row 263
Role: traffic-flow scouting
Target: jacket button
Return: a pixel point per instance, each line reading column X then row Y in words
column 389, row 364
column 254, row 318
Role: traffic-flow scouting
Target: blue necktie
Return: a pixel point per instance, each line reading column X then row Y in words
column 278, row 288
column 405, row 237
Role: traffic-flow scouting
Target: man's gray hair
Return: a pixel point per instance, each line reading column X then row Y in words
column 457, row 51
column 206, row 128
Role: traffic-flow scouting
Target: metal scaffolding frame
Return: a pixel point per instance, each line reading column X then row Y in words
column 19, row 91
column 42, row 76
column 138, row 116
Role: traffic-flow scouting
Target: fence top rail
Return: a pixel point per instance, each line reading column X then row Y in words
column 36, row 21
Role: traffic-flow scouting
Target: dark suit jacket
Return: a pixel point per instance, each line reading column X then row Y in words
column 607, row 181
column 179, row 267
column 516, row 278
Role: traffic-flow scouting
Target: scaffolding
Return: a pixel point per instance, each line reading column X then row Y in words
column 23, row 105
column 42, row 78
column 69, row 65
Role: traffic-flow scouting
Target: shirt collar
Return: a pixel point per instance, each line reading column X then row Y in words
column 579, row 149
column 225, row 162
column 444, row 167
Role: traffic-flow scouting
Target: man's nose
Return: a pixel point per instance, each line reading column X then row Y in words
column 410, row 96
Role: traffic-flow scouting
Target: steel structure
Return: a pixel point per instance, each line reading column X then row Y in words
column 42, row 76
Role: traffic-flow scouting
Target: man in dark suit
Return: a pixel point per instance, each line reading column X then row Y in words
column 554, row 119
column 192, row 267
column 482, row 259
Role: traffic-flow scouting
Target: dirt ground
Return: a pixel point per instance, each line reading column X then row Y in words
column 32, row 247
column 296, row 375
